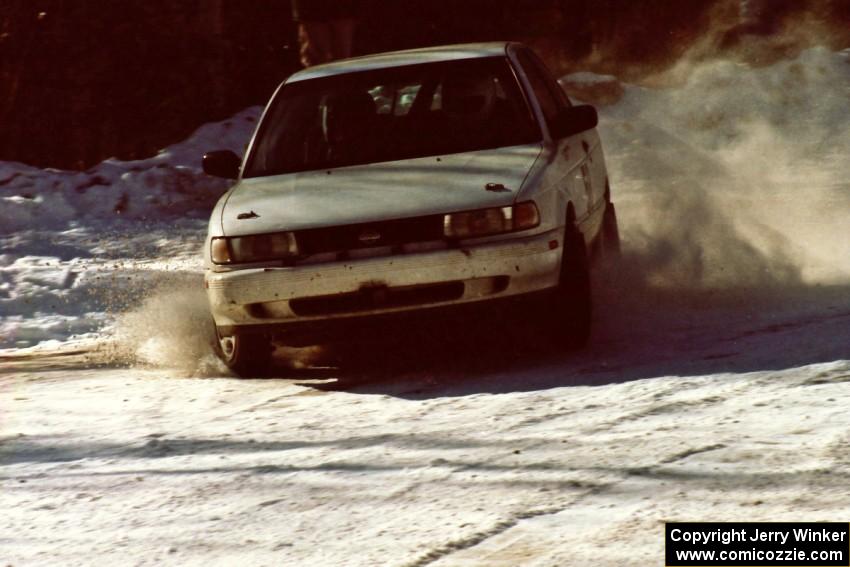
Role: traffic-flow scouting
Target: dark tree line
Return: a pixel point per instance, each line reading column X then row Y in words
column 84, row 80
column 81, row 81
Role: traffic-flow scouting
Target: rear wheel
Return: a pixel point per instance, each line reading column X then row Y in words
column 246, row 355
column 610, row 232
column 570, row 315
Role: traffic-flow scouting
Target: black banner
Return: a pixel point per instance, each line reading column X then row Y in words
column 768, row 544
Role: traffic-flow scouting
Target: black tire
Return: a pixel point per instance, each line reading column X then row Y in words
column 572, row 305
column 248, row 356
column 610, row 232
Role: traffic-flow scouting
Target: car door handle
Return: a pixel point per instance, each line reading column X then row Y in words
column 586, row 146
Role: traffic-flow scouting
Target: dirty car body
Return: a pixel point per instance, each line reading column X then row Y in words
column 401, row 184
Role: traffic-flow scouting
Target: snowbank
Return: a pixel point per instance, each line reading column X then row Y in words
column 594, row 89
column 168, row 185
column 78, row 247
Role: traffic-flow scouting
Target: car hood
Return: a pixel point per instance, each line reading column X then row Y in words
column 381, row 191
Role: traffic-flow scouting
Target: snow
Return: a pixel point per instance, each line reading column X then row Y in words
column 67, row 237
column 588, row 78
column 135, row 465
column 170, row 184
column 593, row 88
column 714, row 387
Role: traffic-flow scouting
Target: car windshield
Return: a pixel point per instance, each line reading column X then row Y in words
column 392, row 114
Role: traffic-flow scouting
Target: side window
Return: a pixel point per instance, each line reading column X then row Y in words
column 548, row 102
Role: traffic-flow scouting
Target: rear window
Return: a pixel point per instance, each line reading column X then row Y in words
column 392, row 114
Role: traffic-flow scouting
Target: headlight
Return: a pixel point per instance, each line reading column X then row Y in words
column 486, row 222
column 256, row 248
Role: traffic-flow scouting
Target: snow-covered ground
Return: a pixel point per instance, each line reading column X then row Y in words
column 714, row 389
column 76, row 248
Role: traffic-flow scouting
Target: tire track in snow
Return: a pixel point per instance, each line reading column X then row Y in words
column 503, row 526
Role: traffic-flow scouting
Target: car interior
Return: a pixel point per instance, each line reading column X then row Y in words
column 381, row 117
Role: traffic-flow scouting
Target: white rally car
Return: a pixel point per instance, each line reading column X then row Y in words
column 447, row 183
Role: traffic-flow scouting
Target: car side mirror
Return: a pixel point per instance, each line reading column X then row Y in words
column 222, row 163
column 573, row 120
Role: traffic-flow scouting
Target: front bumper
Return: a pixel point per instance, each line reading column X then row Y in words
column 274, row 299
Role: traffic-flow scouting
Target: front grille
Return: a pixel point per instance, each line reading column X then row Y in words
column 379, row 297
column 393, row 233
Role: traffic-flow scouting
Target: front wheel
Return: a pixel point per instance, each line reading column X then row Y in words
column 246, row 355
column 571, row 308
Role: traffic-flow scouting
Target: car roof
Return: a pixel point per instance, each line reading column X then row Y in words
column 401, row 58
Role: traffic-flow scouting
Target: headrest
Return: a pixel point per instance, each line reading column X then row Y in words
column 468, row 96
